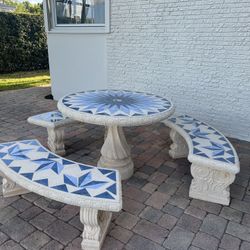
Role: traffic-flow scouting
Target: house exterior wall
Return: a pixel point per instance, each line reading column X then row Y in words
column 196, row 52
column 77, row 62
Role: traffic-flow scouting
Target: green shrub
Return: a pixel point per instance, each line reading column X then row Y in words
column 23, row 45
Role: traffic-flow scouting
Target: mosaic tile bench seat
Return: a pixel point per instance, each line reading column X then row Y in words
column 214, row 160
column 97, row 191
column 54, row 122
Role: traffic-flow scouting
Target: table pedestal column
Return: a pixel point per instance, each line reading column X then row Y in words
column 115, row 153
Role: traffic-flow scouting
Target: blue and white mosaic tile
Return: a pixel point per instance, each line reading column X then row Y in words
column 34, row 162
column 207, row 142
column 117, row 103
column 53, row 116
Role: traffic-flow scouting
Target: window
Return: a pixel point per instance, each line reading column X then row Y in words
column 80, row 16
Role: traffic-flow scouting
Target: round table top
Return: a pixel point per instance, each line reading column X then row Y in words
column 115, row 107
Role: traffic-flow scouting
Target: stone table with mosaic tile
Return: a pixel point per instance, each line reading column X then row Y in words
column 116, row 109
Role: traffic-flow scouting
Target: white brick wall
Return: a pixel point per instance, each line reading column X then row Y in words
column 196, row 52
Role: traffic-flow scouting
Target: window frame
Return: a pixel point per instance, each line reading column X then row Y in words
column 51, row 25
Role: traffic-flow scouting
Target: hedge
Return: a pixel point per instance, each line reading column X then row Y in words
column 23, row 45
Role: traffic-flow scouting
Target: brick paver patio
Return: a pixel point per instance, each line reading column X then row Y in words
column 157, row 212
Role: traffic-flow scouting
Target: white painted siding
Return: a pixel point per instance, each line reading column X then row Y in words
column 77, row 62
column 196, row 52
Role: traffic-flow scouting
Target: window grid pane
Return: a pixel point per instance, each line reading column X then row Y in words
column 80, row 12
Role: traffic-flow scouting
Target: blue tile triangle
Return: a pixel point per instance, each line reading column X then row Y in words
column 112, row 189
column 84, row 179
column 210, row 128
column 222, row 139
column 231, row 159
column 105, row 171
column 227, row 145
column 16, row 169
column 66, row 162
column 43, row 182
column 41, row 149
column 218, row 152
column 82, row 192
column 196, row 151
column 221, row 159
column 62, row 187
column 71, row 180
column 230, row 152
column 105, row 195
column 112, row 176
column 51, row 156
column 57, row 167
column 7, row 162
column 172, row 120
column 161, row 110
column 202, row 154
column 167, row 106
column 84, row 167
column 2, row 155
column 28, row 175
column 196, row 124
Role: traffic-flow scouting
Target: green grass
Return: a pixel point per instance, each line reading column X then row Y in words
column 22, row 80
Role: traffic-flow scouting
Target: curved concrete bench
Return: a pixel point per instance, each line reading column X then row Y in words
column 214, row 160
column 54, row 122
column 97, row 191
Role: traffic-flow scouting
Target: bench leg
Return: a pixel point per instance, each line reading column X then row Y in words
column 210, row 185
column 55, row 140
column 179, row 148
column 10, row 188
column 96, row 225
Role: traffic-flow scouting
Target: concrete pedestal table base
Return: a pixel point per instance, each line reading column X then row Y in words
column 116, row 153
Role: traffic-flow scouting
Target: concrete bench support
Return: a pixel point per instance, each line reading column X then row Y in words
column 210, row 184
column 56, row 140
column 10, row 188
column 95, row 227
column 179, row 148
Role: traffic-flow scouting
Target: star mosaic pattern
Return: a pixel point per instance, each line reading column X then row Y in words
column 34, row 162
column 207, row 142
column 117, row 103
column 53, row 116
